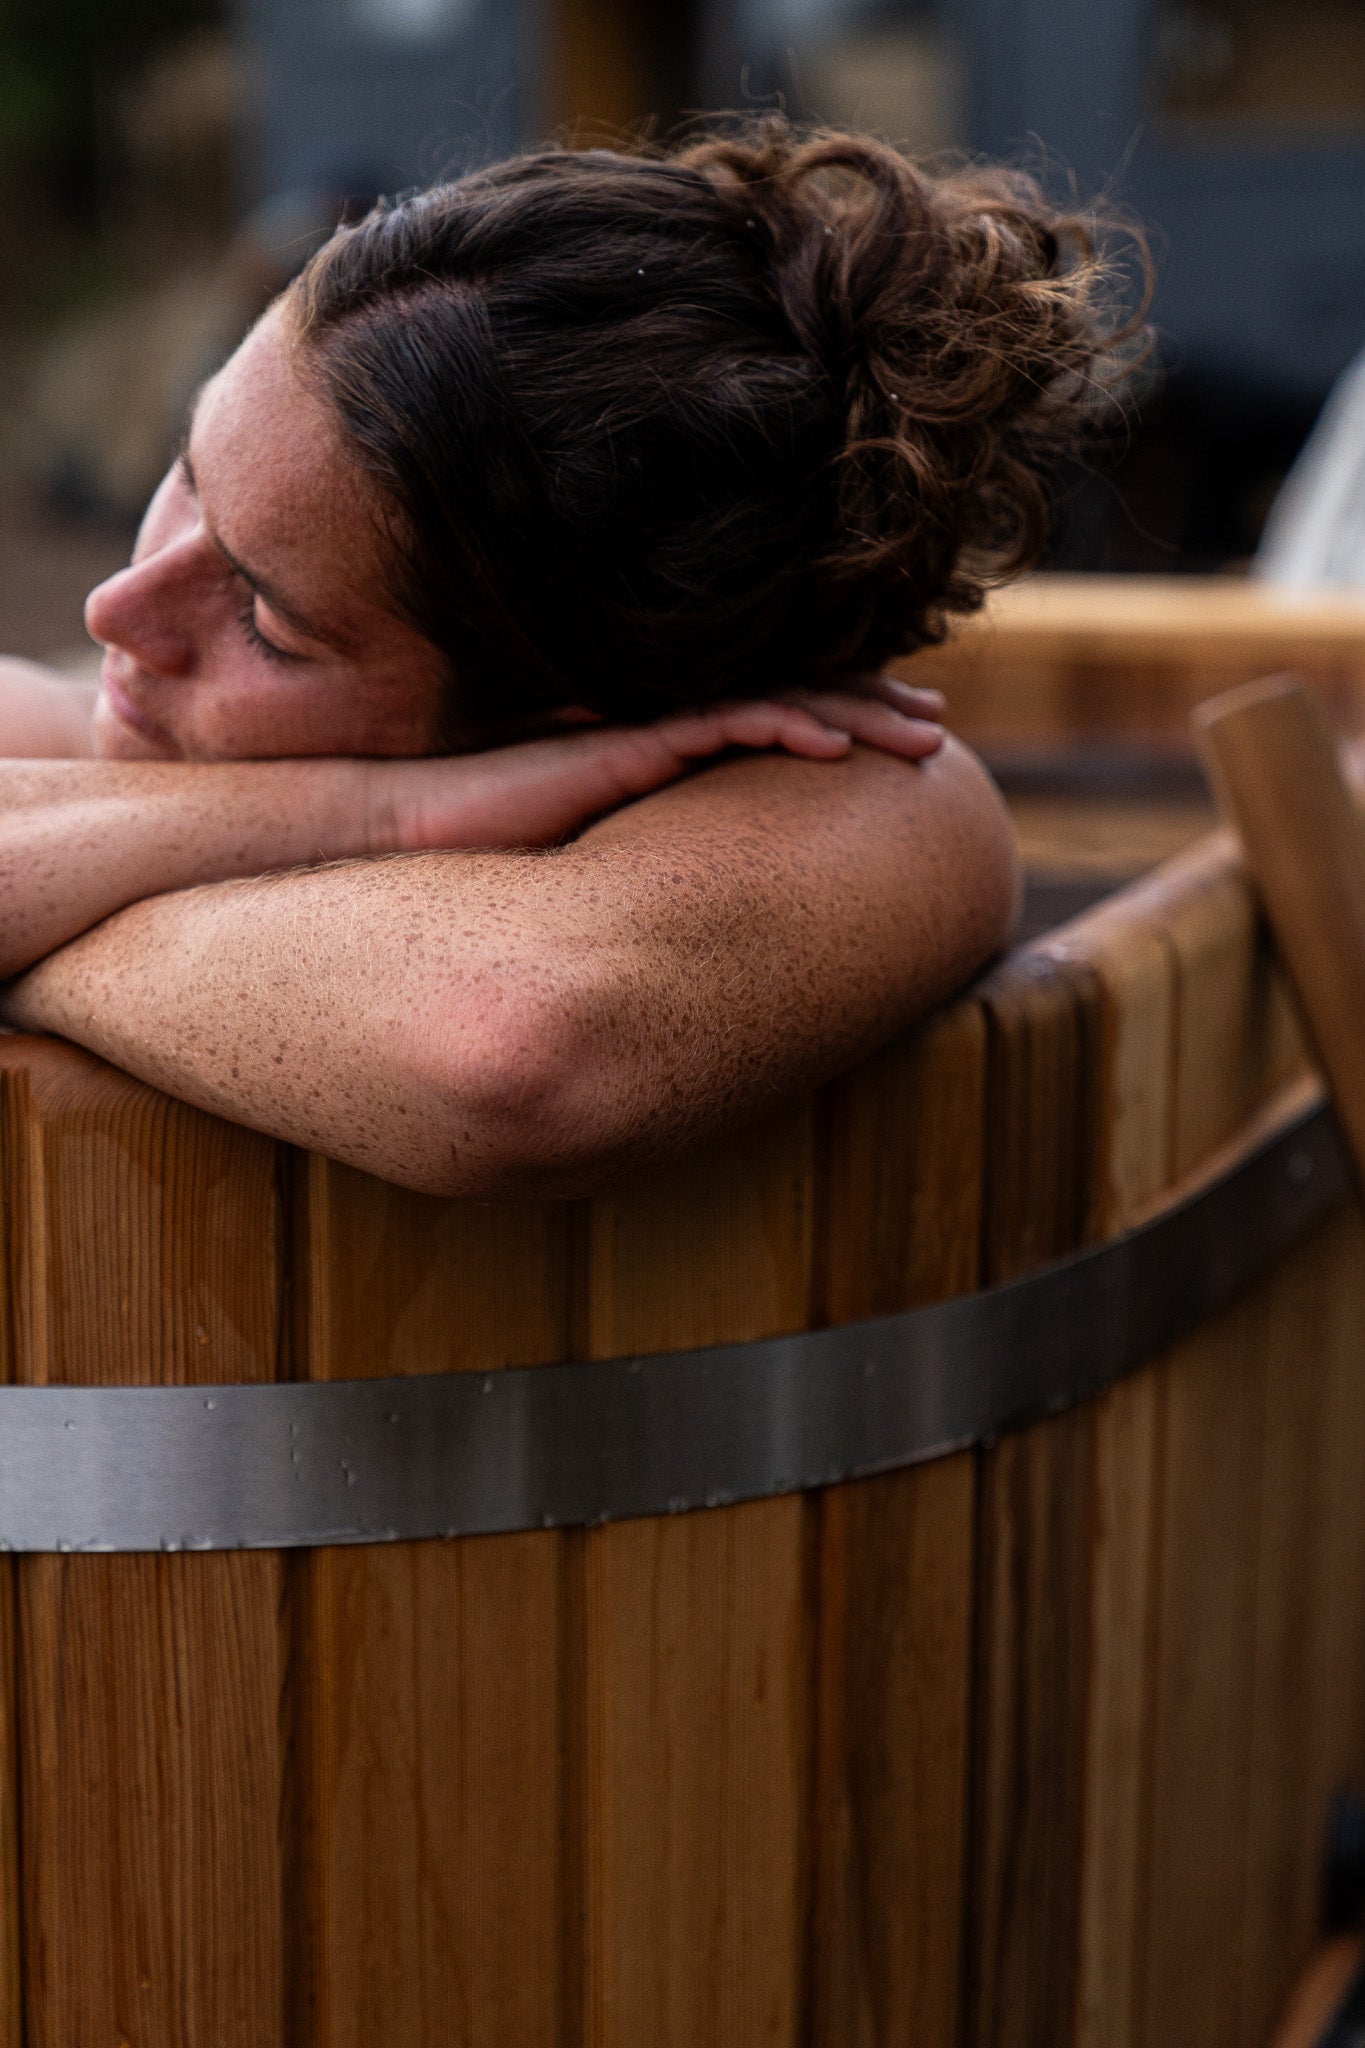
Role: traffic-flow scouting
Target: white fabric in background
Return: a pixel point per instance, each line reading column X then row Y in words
column 1314, row 538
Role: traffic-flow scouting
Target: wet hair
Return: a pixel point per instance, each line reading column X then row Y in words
column 647, row 430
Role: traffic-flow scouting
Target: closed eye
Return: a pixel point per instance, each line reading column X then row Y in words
column 246, row 613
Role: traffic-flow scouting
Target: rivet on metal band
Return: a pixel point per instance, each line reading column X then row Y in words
column 388, row 1460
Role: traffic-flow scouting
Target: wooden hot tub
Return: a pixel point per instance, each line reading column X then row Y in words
column 1029, row 1743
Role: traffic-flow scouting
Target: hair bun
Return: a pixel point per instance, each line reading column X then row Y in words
column 646, row 430
column 971, row 338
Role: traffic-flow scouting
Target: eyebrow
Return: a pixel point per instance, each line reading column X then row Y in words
column 262, row 585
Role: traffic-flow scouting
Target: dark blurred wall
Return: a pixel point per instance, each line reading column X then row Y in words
column 1234, row 130
column 1257, row 202
column 406, row 90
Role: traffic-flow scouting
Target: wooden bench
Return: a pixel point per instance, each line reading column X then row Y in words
column 1074, row 659
column 1027, row 1745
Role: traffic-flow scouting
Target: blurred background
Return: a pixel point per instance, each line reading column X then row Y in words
column 166, row 165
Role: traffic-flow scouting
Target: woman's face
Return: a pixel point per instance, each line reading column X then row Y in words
column 251, row 621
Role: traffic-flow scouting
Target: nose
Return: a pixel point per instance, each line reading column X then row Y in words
column 136, row 612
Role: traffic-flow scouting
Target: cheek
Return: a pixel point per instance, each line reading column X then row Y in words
column 248, row 710
column 259, row 709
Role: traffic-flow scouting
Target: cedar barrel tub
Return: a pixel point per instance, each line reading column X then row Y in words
column 1027, row 1744
column 1030, row 1743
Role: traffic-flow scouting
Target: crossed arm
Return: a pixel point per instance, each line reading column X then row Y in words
column 519, row 1021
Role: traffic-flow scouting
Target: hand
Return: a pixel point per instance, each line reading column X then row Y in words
column 875, row 711
column 536, row 792
column 815, row 725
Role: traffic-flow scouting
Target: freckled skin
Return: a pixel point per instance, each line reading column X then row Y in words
column 466, row 1022
column 686, row 961
column 276, row 492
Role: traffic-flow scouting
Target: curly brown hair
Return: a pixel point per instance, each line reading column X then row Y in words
column 761, row 410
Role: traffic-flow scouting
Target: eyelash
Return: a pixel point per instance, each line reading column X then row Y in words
column 246, row 613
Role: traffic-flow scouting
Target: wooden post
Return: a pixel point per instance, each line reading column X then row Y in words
column 1275, row 768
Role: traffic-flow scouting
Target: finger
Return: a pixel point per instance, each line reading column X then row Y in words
column 812, row 741
column 695, row 734
column 909, row 697
column 879, row 725
column 760, row 724
column 793, row 727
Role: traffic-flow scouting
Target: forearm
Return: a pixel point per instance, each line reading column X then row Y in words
column 482, row 1023
column 80, row 840
column 370, row 1011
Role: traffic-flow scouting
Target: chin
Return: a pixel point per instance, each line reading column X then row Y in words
column 115, row 740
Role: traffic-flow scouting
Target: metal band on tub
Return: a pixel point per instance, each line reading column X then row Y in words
column 291, row 1464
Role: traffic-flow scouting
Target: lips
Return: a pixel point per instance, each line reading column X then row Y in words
column 125, row 707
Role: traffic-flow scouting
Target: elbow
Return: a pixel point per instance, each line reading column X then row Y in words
column 520, row 1098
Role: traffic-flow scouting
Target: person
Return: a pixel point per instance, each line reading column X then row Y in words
column 536, row 494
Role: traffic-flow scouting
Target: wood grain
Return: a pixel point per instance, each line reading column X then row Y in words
column 1214, row 1420
column 697, row 1638
column 744, row 1775
column 12, row 1092
column 896, row 1561
column 1221, row 1692
column 1034, row 1550
column 428, row 1678
column 1098, row 659
column 1304, row 842
column 144, row 1249
column 1307, row 1673
column 1131, row 965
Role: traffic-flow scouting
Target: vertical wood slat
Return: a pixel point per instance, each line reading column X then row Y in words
column 1305, row 1675
column 1209, row 1528
column 144, row 1249
column 1333, row 1672
column 1273, row 759
column 1197, row 920
column 696, row 1637
column 903, row 1215
column 1290, row 1659
column 1126, row 953
column 11, row 1940
column 1305, row 1680
column 1288, row 1669
column 1034, row 1550
column 429, row 1678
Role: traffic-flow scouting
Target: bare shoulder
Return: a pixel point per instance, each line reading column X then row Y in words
column 874, row 853
column 769, row 922
column 44, row 715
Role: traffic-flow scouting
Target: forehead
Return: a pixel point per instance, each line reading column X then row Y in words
column 275, row 482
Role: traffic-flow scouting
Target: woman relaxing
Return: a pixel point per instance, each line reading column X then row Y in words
column 490, row 780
